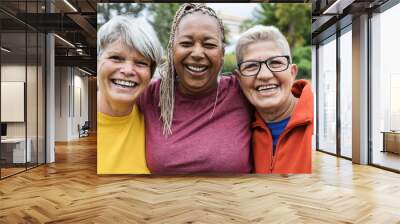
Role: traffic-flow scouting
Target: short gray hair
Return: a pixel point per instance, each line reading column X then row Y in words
column 261, row 33
column 134, row 33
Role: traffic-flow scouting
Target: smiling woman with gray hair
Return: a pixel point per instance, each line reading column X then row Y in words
column 128, row 54
column 283, row 126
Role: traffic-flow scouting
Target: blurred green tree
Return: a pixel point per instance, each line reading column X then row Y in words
column 294, row 21
column 162, row 17
column 107, row 10
column 229, row 63
column 301, row 57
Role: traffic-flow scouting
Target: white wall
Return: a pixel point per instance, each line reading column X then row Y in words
column 33, row 126
column 12, row 73
column 71, row 94
column 61, row 103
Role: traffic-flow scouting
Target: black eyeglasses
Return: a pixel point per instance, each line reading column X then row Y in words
column 274, row 64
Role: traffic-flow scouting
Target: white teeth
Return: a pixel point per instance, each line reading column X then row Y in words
column 266, row 87
column 124, row 83
column 196, row 68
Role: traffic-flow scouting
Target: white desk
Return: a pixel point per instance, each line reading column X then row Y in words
column 19, row 149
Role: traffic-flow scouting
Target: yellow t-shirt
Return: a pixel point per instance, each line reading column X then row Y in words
column 121, row 144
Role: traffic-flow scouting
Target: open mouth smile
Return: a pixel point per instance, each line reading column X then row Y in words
column 267, row 88
column 196, row 68
column 124, row 83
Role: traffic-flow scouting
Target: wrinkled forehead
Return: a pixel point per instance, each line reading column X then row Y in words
column 191, row 20
column 120, row 47
column 261, row 50
column 115, row 44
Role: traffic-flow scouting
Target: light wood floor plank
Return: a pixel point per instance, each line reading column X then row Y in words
column 70, row 191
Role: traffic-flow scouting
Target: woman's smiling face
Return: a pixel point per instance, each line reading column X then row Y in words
column 197, row 53
column 267, row 91
column 123, row 73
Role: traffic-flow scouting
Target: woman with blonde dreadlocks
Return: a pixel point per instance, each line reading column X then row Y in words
column 198, row 121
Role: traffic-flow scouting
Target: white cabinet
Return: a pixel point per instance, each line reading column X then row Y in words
column 18, row 149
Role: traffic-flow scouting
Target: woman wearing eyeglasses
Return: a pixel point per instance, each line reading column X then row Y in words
column 283, row 126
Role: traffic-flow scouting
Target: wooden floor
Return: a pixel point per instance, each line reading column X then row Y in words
column 10, row 171
column 69, row 191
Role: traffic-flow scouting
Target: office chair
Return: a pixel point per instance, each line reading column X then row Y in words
column 84, row 130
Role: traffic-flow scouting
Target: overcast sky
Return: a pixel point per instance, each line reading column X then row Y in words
column 240, row 9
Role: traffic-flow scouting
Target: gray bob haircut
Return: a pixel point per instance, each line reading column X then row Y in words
column 133, row 33
column 261, row 33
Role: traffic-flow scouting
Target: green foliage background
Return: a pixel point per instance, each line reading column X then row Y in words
column 293, row 19
column 229, row 63
column 105, row 10
column 162, row 20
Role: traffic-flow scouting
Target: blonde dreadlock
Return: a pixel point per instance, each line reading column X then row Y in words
column 167, row 96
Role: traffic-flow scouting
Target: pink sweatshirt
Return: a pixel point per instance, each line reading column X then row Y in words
column 199, row 144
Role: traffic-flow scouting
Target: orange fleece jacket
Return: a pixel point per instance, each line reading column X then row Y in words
column 293, row 150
